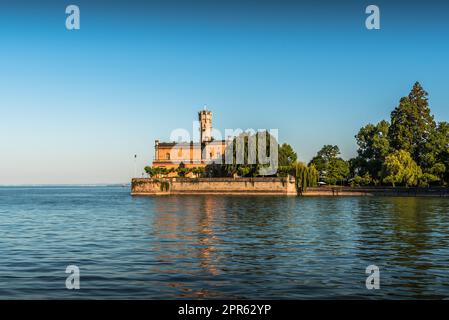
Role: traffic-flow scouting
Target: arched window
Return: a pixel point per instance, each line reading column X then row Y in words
column 167, row 156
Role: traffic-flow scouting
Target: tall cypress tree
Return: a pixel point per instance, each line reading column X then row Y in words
column 412, row 124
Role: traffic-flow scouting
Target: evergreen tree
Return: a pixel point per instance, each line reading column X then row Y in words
column 412, row 125
column 287, row 156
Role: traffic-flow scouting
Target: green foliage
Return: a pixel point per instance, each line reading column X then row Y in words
column 251, row 165
column 338, row 171
column 373, row 141
column 400, row 168
column 331, row 168
column 153, row 171
column 214, row 170
column 412, row 124
column 364, row 180
column 149, row 170
column 374, row 146
column 427, row 179
column 436, row 157
column 287, row 156
column 306, row 176
column 324, row 156
column 243, row 170
column 165, row 186
column 313, row 176
column 198, row 171
column 284, row 171
column 182, row 172
column 412, row 130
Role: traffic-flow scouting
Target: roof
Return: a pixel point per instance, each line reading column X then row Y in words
column 188, row 144
column 172, row 144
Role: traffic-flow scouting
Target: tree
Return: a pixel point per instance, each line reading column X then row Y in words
column 306, row 176
column 413, row 130
column 284, row 171
column 183, row 171
column 338, row 171
column 323, row 157
column 412, row 125
column 198, row 171
column 214, row 170
column 153, row 171
column 373, row 141
column 312, row 176
column 400, row 168
column 374, row 146
column 331, row 168
column 255, row 167
column 364, row 180
column 436, row 156
column 443, row 154
column 287, row 156
column 328, row 152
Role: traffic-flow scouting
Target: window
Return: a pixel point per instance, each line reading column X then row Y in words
column 167, row 156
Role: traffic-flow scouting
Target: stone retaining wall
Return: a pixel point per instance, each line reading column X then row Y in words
column 237, row 186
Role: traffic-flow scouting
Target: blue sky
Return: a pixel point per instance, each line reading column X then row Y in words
column 76, row 106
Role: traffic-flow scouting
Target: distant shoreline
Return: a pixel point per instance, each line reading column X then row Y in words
column 81, row 185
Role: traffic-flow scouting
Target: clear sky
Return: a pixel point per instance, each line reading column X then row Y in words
column 75, row 106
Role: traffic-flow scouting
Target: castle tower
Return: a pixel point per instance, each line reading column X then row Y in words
column 205, row 118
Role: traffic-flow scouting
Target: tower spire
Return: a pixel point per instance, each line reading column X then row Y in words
column 205, row 118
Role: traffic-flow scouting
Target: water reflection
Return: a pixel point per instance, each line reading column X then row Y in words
column 220, row 246
column 202, row 236
column 408, row 239
column 306, row 244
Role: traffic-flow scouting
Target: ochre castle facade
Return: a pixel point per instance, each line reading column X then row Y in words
column 191, row 154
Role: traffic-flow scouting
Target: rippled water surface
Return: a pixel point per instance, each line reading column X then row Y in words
column 219, row 246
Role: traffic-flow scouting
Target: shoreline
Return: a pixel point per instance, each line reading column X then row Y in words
column 269, row 186
column 273, row 186
column 377, row 192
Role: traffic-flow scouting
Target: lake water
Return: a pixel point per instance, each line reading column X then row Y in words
column 219, row 246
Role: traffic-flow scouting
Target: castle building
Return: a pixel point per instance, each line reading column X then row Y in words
column 191, row 154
